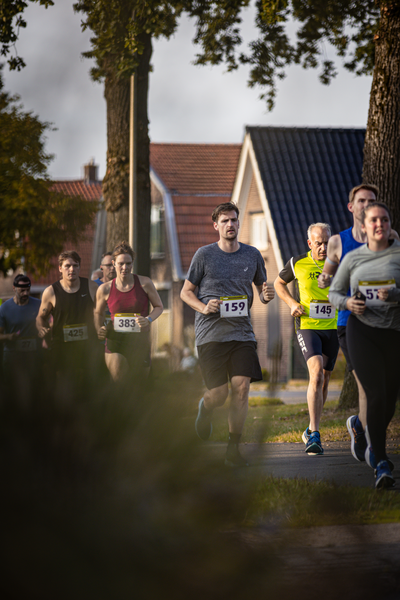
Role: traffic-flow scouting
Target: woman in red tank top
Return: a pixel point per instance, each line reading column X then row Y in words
column 128, row 297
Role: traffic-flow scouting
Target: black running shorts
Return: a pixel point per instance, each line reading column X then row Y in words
column 341, row 333
column 220, row 361
column 319, row 342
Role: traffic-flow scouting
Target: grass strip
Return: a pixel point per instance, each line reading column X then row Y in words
column 301, row 503
column 269, row 420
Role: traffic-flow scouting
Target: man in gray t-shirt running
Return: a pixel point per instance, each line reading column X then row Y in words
column 224, row 273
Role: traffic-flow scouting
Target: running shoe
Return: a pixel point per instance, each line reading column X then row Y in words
column 306, row 435
column 203, row 423
column 358, row 439
column 234, row 458
column 314, row 446
column 383, row 476
column 371, row 460
column 370, row 454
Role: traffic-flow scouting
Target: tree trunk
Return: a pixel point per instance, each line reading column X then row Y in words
column 349, row 394
column 116, row 180
column 382, row 139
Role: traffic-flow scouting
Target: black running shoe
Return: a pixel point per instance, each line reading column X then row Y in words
column 234, row 458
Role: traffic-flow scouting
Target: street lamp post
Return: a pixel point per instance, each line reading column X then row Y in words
column 132, row 168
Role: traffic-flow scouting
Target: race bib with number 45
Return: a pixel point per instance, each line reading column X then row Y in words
column 75, row 333
column 321, row 309
column 126, row 323
column 234, row 306
column 370, row 291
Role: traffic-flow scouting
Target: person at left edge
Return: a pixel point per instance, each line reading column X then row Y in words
column 71, row 303
column 17, row 324
column 224, row 273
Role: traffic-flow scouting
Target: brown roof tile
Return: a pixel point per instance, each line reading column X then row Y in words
column 199, row 177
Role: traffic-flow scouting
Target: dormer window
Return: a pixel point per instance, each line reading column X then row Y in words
column 259, row 234
column 157, row 231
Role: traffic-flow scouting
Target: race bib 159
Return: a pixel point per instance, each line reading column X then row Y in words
column 370, row 291
column 321, row 309
column 234, row 306
column 126, row 323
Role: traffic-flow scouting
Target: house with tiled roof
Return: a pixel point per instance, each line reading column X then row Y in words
column 188, row 181
column 288, row 178
column 282, row 178
column 90, row 246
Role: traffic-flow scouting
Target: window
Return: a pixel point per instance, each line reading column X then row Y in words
column 157, row 235
column 259, row 237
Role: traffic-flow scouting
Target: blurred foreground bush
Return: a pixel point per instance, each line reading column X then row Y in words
column 107, row 494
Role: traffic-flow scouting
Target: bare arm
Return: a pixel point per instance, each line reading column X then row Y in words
column 394, row 235
column 188, row 296
column 47, row 305
column 334, row 254
column 7, row 337
column 155, row 300
column 281, row 288
column 102, row 294
column 266, row 293
column 93, row 290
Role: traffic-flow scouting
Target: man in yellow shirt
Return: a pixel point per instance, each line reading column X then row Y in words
column 315, row 322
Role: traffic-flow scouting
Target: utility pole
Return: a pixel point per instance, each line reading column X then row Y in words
column 132, row 168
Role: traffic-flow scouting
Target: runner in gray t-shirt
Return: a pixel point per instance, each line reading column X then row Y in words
column 224, row 273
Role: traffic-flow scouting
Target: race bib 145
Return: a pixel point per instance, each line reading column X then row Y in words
column 321, row 309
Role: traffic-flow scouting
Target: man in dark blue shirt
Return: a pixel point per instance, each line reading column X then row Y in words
column 17, row 322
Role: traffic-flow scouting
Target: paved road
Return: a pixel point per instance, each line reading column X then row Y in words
column 290, row 461
column 290, row 396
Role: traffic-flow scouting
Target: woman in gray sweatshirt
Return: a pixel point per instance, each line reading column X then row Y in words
column 373, row 274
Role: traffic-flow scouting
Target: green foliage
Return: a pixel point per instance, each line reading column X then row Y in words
column 11, row 21
column 118, row 28
column 35, row 221
column 348, row 25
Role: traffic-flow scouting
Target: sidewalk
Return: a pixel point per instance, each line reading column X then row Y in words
column 288, row 460
column 295, row 393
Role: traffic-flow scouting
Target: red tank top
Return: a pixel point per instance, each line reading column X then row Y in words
column 134, row 301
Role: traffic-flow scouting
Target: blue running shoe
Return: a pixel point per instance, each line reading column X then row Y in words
column 383, row 476
column 358, row 440
column 371, row 460
column 203, row 423
column 314, row 446
column 370, row 454
column 306, row 435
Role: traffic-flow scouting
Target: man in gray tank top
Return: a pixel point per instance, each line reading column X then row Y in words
column 224, row 273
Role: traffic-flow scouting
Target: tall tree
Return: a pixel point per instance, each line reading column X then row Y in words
column 121, row 46
column 35, row 221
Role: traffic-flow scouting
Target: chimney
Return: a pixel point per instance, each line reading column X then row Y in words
column 90, row 172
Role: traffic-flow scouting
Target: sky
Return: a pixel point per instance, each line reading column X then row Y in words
column 186, row 103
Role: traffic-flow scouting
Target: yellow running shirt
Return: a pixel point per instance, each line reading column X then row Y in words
column 319, row 313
